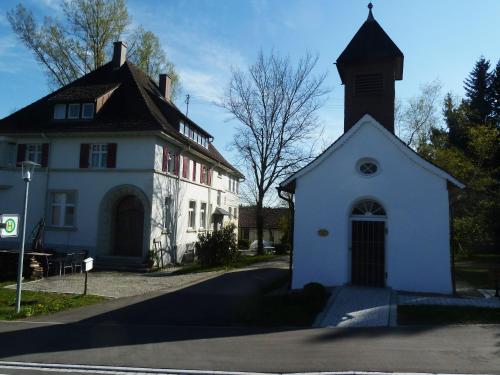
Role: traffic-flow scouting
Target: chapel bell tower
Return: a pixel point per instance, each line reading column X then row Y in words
column 368, row 68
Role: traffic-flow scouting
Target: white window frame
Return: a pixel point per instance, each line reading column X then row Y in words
column 56, row 107
column 73, row 105
column 219, row 198
column 87, row 105
column 192, row 215
column 203, row 215
column 33, row 152
column 101, row 151
column 62, row 207
column 230, row 213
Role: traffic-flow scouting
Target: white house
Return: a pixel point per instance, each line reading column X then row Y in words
column 369, row 210
column 121, row 167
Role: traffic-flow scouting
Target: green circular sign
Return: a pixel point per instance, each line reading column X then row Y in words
column 10, row 226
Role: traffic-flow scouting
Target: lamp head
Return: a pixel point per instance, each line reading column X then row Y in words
column 27, row 169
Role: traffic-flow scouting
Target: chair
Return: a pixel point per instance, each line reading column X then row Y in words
column 68, row 262
column 78, row 260
column 53, row 260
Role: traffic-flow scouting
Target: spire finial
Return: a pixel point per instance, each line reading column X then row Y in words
column 370, row 14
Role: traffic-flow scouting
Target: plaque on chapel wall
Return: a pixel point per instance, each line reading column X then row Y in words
column 322, row 232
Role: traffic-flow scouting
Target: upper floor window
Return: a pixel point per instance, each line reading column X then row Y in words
column 219, row 198
column 233, row 184
column 74, row 111
column 98, row 155
column 88, row 110
column 203, row 215
column 60, row 111
column 34, row 153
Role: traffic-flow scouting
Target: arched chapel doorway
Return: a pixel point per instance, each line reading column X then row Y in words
column 368, row 220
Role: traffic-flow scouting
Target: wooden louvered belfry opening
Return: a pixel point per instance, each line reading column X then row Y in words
column 369, row 84
column 368, row 244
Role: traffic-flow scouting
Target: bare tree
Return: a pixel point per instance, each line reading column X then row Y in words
column 276, row 105
column 416, row 117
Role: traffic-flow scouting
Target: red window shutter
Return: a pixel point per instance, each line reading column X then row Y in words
column 185, row 166
column 202, row 173
column 176, row 164
column 21, row 153
column 111, row 161
column 84, row 155
column 164, row 165
column 194, row 170
column 45, row 155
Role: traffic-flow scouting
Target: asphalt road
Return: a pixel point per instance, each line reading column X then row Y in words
column 194, row 328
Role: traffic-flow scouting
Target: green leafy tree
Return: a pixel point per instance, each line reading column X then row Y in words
column 146, row 52
column 81, row 42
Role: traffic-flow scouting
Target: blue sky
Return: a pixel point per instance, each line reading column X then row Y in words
column 205, row 38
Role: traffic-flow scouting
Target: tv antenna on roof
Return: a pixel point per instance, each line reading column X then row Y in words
column 188, row 97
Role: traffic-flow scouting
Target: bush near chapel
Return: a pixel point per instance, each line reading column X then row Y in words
column 217, row 248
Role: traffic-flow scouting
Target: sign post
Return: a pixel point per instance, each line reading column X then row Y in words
column 88, row 264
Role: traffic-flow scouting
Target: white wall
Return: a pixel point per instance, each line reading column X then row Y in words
column 134, row 166
column 139, row 163
column 416, row 202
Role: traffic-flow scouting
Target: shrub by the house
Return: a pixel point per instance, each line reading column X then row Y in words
column 218, row 247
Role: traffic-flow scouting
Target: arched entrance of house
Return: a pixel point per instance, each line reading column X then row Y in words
column 122, row 208
column 128, row 227
column 368, row 220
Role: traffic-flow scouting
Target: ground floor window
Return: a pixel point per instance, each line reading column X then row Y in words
column 203, row 215
column 192, row 215
column 62, row 209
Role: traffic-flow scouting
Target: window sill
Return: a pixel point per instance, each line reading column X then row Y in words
column 191, row 230
column 61, row 229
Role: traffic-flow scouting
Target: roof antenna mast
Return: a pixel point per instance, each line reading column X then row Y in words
column 187, row 103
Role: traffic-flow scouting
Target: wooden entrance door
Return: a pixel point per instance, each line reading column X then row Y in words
column 368, row 253
column 129, row 225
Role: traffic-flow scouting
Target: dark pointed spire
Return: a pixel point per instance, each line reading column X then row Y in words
column 370, row 14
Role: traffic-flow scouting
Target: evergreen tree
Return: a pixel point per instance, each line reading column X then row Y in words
column 456, row 121
column 477, row 91
column 495, row 94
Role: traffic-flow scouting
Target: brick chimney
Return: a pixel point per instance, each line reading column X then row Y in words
column 119, row 54
column 165, row 86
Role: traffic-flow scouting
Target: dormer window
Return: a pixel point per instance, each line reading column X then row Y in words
column 60, row 111
column 88, row 110
column 192, row 134
column 74, row 111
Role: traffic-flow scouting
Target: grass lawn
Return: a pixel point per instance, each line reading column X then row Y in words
column 242, row 262
column 431, row 315
column 36, row 303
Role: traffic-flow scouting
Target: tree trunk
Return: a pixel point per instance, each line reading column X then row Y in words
column 260, row 226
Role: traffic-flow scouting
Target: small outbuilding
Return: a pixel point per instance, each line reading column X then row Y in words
column 369, row 210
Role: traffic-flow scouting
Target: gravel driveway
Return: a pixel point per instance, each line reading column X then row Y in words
column 116, row 284
column 127, row 284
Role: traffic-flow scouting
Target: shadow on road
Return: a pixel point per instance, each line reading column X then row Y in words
column 207, row 310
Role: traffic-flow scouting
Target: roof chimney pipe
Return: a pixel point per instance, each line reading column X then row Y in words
column 165, row 86
column 119, row 54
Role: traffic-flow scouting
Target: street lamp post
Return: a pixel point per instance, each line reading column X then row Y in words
column 28, row 168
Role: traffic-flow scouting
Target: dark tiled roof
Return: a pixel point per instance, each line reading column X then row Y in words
column 371, row 43
column 83, row 92
column 272, row 217
column 136, row 104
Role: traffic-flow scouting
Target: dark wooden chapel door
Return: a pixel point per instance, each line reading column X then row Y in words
column 368, row 253
column 129, row 225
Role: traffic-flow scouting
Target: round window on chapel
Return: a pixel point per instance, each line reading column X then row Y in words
column 368, row 167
